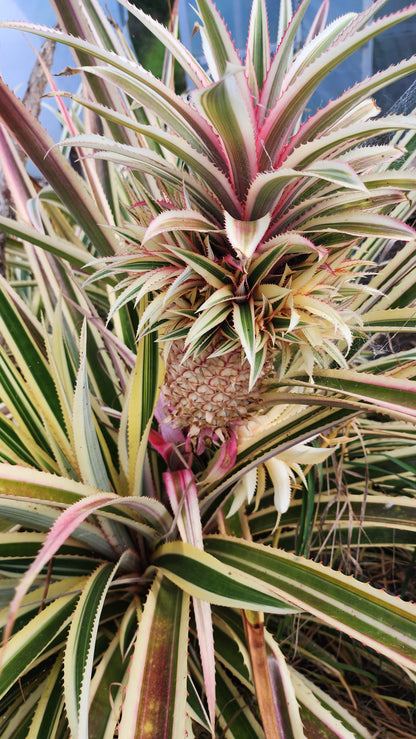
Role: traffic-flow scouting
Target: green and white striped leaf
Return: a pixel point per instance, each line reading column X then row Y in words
column 24, row 647
column 89, row 455
column 258, row 42
column 287, row 707
column 398, row 396
column 54, row 244
column 244, row 324
column 188, row 62
column 180, row 220
column 234, row 712
column 24, row 338
column 278, row 125
column 66, row 182
column 80, row 647
column 321, row 713
column 379, row 620
column 204, row 576
column 207, row 321
column 141, row 397
column 220, row 103
column 213, row 273
column 49, row 707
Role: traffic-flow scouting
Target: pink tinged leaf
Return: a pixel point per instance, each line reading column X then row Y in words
column 322, row 715
column 375, row 618
column 286, row 705
column 212, row 272
column 224, row 460
column 279, row 125
column 167, row 448
column 183, row 496
column 67, row 184
column 266, row 190
column 169, row 434
column 335, row 171
column 178, row 220
column 282, row 59
column 319, row 21
column 200, row 163
column 163, row 447
column 63, row 528
column 245, row 236
column 362, row 224
column 393, row 394
column 59, row 533
column 320, row 124
column 15, row 174
column 219, row 50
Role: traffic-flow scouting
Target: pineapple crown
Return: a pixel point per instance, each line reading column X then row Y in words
column 247, row 229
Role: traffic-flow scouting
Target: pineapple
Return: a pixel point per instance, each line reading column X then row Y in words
column 250, row 215
column 208, row 394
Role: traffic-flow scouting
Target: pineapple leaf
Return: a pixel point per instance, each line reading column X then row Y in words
column 289, row 106
column 66, row 182
column 393, row 394
column 258, row 44
column 80, row 646
column 212, row 272
column 89, row 455
column 281, row 61
column 188, row 62
column 208, row 320
column 179, row 220
column 19, row 653
column 183, row 497
column 321, row 713
column 245, row 236
column 353, row 607
column 78, row 257
column 210, row 580
column 245, row 327
column 142, row 394
column 218, row 47
column 50, row 706
column 156, row 692
column 228, row 105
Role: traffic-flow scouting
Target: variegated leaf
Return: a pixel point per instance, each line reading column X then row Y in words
column 155, row 699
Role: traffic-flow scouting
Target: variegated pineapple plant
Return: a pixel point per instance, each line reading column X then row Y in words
column 193, row 325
